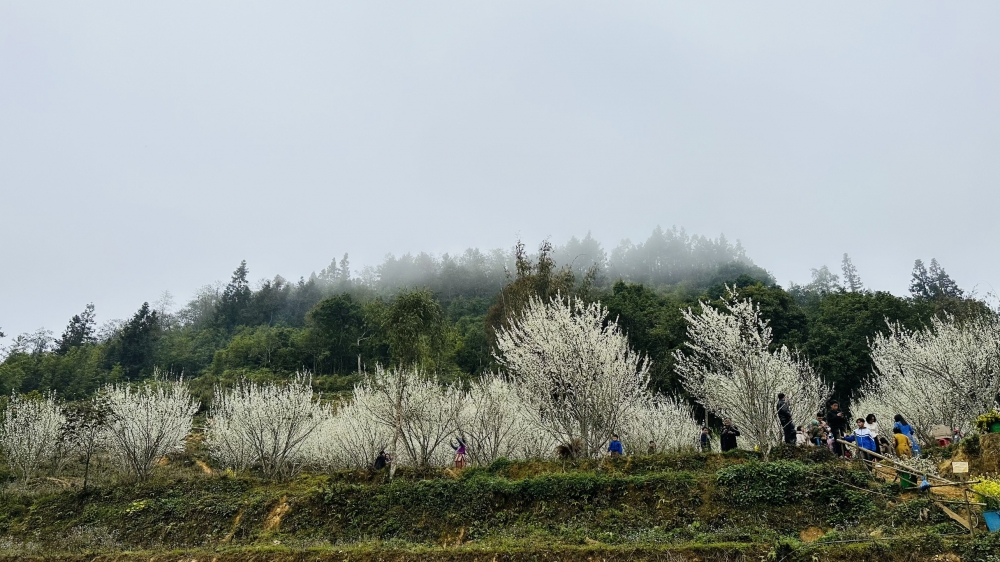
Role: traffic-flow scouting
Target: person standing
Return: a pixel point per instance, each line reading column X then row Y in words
column 871, row 422
column 615, row 447
column 837, row 421
column 785, row 419
column 907, row 430
column 730, row 432
column 903, row 448
column 459, row 453
column 706, row 441
column 862, row 436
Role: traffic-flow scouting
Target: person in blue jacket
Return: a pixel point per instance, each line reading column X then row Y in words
column 864, row 438
column 615, row 447
column 907, row 430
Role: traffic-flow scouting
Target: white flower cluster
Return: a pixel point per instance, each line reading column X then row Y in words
column 145, row 422
column 265, row 425
column 732, row 371
column 30, row 432
column 572, row 378
column 945, row 374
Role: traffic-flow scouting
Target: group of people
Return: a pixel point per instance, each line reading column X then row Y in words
column 826, row 429
column 831, row 427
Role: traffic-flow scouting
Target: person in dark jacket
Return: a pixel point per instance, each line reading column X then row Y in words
column 706, row 441
column 382, row 460
column 785, row 419
column 727, row 440
column 837, row 420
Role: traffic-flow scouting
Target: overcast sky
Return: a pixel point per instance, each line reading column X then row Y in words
column 150, row 146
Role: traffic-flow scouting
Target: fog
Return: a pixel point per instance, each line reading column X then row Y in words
column 150, row 147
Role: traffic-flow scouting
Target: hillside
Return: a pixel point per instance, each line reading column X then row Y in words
column 802, row 505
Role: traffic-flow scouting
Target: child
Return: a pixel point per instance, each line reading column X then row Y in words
column 706, row 444
column 615, row 447
column 904, row 449
column 863, row 437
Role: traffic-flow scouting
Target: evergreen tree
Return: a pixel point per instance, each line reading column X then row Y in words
column 920, row 283
column 943, row 285
column 345, row 268
column 134, row 347
column 852, row 281
column 79, row 331
column 235, row 298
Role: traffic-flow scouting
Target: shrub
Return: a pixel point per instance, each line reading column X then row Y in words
column 772, row 483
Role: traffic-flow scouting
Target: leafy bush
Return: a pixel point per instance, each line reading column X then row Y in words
column 773, row 483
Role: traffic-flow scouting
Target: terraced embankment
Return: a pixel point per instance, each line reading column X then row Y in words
column 664, row 507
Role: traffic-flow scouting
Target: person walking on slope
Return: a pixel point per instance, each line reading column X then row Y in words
column 785, row 419
column 730, row 432
column 907, row 430
column 837, row 421
column 459, row 453
column 902, row 444
column 862, row 436
column 615, row 447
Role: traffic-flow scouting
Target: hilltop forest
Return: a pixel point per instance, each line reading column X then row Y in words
column 440, row 313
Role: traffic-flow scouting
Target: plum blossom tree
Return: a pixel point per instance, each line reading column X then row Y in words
column 495, row 423
column 145, row 422
column 732, row 371
column 667, row 422
column 574, row 368
column 350, row 438
column 947, row 373
column 265, row 425
column 421, row 413
column 30, row 432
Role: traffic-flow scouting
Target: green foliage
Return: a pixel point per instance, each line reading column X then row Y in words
column 841, row 492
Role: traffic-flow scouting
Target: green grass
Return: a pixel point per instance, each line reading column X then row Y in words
column 661, row 507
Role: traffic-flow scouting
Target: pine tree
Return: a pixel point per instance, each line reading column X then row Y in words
column 943, row 285
column 235, row 298
column 79, row 331
column 920, row 284
column 852, row 281
column 345, row 268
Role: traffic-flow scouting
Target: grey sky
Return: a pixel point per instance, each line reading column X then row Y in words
column 147, row 146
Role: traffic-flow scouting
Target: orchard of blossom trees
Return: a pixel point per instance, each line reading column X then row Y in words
column 569, row 381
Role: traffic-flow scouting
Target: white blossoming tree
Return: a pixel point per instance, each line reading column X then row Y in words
column 730, row 369
column 421, row 413
column 574, row 368
column 667, row 422
column 265, row 425
column 350, row 438
column 31, row 432
column 495, row 423
column 144, row 423
column 944, row 374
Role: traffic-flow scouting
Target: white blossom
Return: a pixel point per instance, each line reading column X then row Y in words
column 731, row 370
column 573, row 368
column 265, row 425
column 145, row 422
column 350, row 438
column 945, row 374
column 495, row 424
column 667, row 422
column 421, row 413
column 31, row 432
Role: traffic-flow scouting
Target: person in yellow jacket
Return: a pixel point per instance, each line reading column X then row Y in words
column 904, row 449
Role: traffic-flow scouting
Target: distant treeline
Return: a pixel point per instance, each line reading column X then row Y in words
column 441, row 312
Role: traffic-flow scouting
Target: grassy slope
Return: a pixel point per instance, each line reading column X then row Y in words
column 708, row 507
